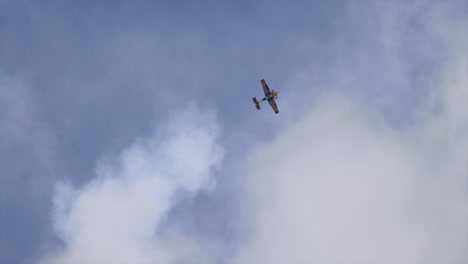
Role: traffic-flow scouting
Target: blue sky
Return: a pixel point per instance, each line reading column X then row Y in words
column 127, row 132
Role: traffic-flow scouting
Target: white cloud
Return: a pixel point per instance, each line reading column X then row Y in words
column 344, row 186
column 115, row 217
column 341, row 187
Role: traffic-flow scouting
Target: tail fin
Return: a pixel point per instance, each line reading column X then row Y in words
column 255, row 101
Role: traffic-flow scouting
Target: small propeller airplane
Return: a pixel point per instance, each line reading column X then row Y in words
column 270, row 96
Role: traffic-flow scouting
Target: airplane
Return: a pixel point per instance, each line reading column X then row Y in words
column 270, row 96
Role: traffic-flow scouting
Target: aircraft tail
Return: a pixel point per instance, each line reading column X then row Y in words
column 255, row 101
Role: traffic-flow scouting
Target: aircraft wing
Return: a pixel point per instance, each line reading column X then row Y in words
column 273, row 105
column 266, row 90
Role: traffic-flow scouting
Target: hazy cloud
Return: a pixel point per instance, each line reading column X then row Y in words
column 27, row 159
column 115, row 217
